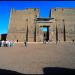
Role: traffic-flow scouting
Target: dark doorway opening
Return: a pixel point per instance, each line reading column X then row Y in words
column 45, row 30
column 3, row 37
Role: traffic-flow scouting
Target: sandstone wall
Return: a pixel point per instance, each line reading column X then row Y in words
column 19, row 21
column 68, row 14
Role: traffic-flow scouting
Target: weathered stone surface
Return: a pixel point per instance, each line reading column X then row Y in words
column 68, row 15
column 22, row 19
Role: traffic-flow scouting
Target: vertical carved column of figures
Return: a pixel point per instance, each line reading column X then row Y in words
column 56, row 31
column 27, row 31
column 35, row 16
column 64, row 33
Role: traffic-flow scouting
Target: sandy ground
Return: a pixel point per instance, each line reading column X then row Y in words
column 35, row 57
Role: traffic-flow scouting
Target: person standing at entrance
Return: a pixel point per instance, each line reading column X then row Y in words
column 44, row 39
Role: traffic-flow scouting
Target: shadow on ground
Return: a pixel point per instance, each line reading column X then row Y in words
column 9, row 72
column 58, row 70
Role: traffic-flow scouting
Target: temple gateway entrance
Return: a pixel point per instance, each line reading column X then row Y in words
column 45, row 30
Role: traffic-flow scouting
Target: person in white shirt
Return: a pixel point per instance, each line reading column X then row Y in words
column 7, row 42
column 2, row 43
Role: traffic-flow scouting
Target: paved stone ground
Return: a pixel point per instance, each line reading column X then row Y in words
column 35, row 57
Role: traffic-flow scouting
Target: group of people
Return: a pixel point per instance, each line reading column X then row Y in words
column 6, row 43
column 9, row 43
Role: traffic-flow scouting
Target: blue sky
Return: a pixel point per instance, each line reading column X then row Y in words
column 44, row 6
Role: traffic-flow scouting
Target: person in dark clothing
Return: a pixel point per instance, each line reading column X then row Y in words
column 25, row 43
column 44, row 39
column 73, row 40
column 17, row 40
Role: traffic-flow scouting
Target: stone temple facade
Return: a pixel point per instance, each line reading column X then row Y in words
column 26, row 25
column 22, row 24
column 64, row 19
